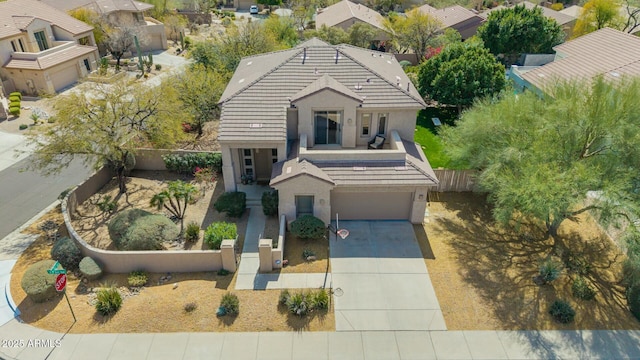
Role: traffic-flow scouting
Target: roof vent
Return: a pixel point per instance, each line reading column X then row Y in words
column 255, row 126
column 249, row 63
column 615, row 74
column 359, row 168
column 358, row 86
column 240, row 81
column 368, row 80
column 288, row 170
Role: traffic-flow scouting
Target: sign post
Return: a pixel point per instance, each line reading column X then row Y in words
column 61, row 284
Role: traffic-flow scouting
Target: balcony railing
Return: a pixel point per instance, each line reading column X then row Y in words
column 57, row 46
column 396, row 151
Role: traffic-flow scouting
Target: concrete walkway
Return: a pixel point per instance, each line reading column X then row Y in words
column 248, row 277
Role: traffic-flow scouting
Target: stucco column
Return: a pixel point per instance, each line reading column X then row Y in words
column 227, row 169
column 264, row 253
column 228, row 255
column 418, row 206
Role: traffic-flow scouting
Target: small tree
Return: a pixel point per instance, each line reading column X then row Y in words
column 332, row 35
column 416, row 32
column 175, row 24
column 598, row 14
column 175, row 199
column 361, row 34
column 120, row 39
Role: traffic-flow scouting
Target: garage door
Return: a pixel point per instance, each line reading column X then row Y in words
column 371, row 205
column 64, row 77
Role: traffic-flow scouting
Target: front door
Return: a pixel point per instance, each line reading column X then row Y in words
column 327, row 127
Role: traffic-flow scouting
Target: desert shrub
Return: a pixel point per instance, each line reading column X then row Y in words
column 557, row 6
column 284, row 296
column 192, row 231
column 307, row 252
column 219, row 231
column 137, row 278
column 106, row 204
column 321, row 299
column 581, row 289
column 67, row 253
column 303, row 302
column 120, row 224
column 633, row 299
column 158, row 67
column 631, row 265
column 270, row 202
column 190, row 307
column 230, row 304
column 37, row 283
column 577, row 264
column 14, row 110
column 223, row 272
column 108, row 300
column 16, row 94
column 90, row 269
column 51, row 120
column 298, row 304
column 226, row 21
column 148, row 233
column 23, row 127
column 308, row 227
column 187, row 163
column 232, row 203
column 562, row 311
column 549, row 270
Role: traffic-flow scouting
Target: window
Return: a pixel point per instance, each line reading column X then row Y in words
column 86, row 64
column 327, row 127
column 274, row 155
column 304, row 205
column 366, row 125
column 41, row 38
column 382, row 124
column 21, row 45
column 138, row 17
column 13, row 45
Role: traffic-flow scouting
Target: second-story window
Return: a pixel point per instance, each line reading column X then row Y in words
column 366, row 125
column 21, row 45
column 13, row 45
column 41, row 38
column 382, row 124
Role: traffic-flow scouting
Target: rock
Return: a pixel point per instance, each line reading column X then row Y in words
column 175, row 286
column 168, row 277
column 311, row 258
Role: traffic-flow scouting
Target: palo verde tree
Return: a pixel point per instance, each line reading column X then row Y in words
column 598, row 14
column 175, row 199
column 539, row 157
column 104, row 125
column 517, row 30
column 417, row 31
column 460, row 74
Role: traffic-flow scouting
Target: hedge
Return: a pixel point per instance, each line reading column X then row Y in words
column 187, row 163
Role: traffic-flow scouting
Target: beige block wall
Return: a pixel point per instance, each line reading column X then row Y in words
column 327, row 100
column 309, row 186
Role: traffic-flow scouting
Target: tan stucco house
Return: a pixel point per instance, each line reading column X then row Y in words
column 42, row 50
column 345, row 14
column 119, row 12
column 301, row 120
column 463, row 20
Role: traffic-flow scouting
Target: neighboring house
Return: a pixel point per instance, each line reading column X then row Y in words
column 564, row 19
column 301, row 119
column 345, row 13
column 465, row 21
column 119, row 12
column 43, row 50
column 605, row 52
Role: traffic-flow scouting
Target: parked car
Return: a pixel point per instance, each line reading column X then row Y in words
column 254, row 10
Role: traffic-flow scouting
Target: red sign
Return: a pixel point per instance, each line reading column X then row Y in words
column 61, row 282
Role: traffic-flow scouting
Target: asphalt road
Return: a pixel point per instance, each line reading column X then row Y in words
column 23, row 194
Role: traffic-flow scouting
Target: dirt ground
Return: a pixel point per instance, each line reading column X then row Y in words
column 483, row 275
column 92, row 224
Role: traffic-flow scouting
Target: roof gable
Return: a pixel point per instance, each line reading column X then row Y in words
column 287, row 170
column 345, row 10
column 325, row 82
column 17, row 14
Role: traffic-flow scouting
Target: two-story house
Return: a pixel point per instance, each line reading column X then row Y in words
column 122, row 12
column 301, row 119
column 42, row 50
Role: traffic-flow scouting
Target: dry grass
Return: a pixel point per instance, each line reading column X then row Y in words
column 293, row 248
column 483, row 275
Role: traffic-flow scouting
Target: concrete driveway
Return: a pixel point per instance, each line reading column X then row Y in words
column 380, row 280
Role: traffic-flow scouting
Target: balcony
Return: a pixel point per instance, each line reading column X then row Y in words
column 57, row 46
column 394, row 152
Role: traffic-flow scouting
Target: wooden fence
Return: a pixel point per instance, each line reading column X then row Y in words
column 454, row 180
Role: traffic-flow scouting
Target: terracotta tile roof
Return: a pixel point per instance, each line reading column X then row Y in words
column 345, row 10
column 607, row 52
column 285, row 170
column 100, row 6
column 325, row 82
column 255, row 102
column 16, row 14
column 53, row 59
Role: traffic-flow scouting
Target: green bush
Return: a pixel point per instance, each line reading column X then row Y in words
column 577, row 264
column 303, row 302
column 148, row 233
column 37, row 283
column 106, row 204
column 108, row 301
column 230, row 303
column 270, row 202
column 308, row 227
column 581, row 289
column 14, row 110
column 284, row 296
column 233, row 203
column 549, row 270
column 14, row 99
column 187, row 163
column 321, row 299
column 23, row 127
column 137, row 278
column 562, row 311
column 192, row 231
column 158, row 67
column 298, row 304
column 90, row 269
column 307, row 252
column 51, row 120
column 67, row 253
column 190, row 307
column 119, row 225
column 216, row 232
column 633, row 299
column 631, row 265
column 16, row 94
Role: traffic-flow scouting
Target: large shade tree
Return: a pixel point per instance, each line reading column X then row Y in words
column 461, row 73
column 104, row 125
column 416, row 32
column 517, row 30
column 539, row 157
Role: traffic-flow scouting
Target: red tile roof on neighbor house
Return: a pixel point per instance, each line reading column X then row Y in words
column 608, row 52
column 345, row 10
column 15, row 15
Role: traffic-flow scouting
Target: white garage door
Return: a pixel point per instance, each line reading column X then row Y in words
column 371, row 205
column 64, row 77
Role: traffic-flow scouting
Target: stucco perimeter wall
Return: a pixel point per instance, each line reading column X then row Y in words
column 151, row 261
